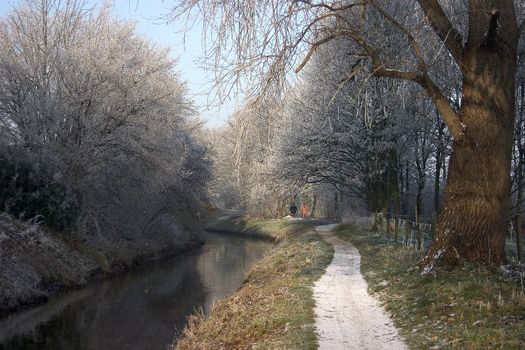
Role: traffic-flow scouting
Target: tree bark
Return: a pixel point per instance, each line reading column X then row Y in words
column 517, row 229
column 397, row 203
column 440, row 150
column 314, row 205
column 472, row 221
column 519, row 169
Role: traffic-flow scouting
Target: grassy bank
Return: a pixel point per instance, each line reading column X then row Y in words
column 275, row 230
column 471, row 307
column 273, row 309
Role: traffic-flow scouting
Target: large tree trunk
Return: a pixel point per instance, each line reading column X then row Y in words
column 473, row 217
column 518, row 170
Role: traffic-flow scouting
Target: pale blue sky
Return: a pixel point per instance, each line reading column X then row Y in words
column 146, row 13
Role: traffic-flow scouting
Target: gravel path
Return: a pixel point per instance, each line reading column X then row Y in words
column 346, row 316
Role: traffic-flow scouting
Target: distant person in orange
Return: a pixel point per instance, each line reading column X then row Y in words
column 304, row 210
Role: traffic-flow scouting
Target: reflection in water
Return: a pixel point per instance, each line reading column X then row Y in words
column 141, row 310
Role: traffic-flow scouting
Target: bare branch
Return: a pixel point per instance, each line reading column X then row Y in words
column 333, row 8
column 314, row 48
column 380, row 70
column 413, row 42
column 444, row 29
column 450, row 116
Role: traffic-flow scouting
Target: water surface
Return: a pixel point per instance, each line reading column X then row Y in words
column 140, row 310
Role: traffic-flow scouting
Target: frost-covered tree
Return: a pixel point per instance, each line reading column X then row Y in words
column 338, row 136
column 107, row 113
column 242, row 150
column 356, row 137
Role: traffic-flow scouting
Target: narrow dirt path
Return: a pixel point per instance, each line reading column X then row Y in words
column 346, row 316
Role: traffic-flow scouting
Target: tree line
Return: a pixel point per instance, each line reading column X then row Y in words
column 392, row 98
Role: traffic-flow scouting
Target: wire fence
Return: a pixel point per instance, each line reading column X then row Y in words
column 407, row 232
column 418, row 235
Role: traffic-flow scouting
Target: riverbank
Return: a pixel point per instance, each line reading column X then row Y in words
column 233, row 224
column 273, row 309
column 471, row 307
column 36, row 264
column 141, row 308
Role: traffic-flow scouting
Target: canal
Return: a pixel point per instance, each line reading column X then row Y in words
column 141, row 310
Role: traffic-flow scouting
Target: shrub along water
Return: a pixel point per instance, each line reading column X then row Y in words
column 28, row 190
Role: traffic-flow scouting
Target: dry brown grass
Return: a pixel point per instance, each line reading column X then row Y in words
column 273, row 309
